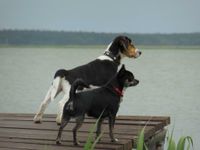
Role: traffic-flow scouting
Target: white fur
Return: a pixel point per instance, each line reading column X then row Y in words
column 59, row 84
column 43, row 106
column 104, row 57
column 66, row 88
column 93, row 87
column 137, row 53
column 108, row 47
column 56, row 87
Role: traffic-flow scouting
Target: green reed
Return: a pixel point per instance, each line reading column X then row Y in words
column 184, row 142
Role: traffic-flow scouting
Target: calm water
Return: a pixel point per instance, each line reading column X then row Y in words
column 169, row 82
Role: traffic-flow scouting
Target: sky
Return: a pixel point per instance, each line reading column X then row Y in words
column 130, row 16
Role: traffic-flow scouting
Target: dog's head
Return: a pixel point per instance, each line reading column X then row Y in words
column 123, row 46
column 126, row 78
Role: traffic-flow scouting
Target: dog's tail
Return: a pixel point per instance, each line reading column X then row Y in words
column 77, row 83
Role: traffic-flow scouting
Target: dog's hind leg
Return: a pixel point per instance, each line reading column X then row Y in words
column 98, row 132
column 66, row 88
column 64, row 122
column 79, row 122
column 53, row 91
column 61, row 104
column 43, row 105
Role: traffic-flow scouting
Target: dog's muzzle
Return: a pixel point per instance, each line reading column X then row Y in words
column 138, row 53
column 134, row 83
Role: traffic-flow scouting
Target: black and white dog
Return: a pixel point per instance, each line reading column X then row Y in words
column 95, row 73
column 100, row 102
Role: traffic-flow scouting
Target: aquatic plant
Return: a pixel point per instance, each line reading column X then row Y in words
column 183, row 140
column 171, row 145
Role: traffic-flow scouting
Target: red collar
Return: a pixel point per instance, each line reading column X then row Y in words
column 118, row 91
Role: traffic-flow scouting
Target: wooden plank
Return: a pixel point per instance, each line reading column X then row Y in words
column 63, row 145
column 121, row 133
column 47, row 136
column 87, row 120
column 16, row 133
column 65, row 137
column 53, row 116
column 28, row 133
column 4, row 148
column 165, row 119
column 29, row 146
column 130, row 123
column 120, row 129
column 158, row 122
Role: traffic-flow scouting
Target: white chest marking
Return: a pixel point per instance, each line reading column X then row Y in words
column 104, row 57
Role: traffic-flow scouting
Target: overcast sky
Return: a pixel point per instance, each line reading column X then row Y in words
column 132, row 16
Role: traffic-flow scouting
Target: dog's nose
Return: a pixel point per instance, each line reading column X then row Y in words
column 137, row 81
column 138, row 53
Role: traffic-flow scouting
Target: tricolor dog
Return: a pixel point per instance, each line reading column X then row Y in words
column 95, row 73
column 100, row 103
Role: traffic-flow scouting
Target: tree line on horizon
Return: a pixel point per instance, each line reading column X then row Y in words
column 37, row 37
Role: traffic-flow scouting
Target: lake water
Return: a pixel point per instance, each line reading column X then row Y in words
column 169, row 82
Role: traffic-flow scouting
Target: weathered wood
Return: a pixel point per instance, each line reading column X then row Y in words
column 157, row 140
column 17, row 131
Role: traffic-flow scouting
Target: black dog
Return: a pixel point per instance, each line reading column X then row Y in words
column 96, row 73
column 93, row 102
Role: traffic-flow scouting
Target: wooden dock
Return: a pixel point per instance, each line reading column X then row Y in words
column 17, row 131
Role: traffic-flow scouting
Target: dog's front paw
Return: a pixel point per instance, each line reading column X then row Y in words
column 76, row 143
column 58, row 120
column 58, row 142
column 37, row 119
column 114, row 140
column 58, row 123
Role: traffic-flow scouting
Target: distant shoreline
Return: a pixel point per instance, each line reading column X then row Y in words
column 192, row 47
column 56, row 38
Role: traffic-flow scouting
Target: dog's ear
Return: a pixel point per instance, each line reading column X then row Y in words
column 123, row 67
column 121, row 71
column 124, row 42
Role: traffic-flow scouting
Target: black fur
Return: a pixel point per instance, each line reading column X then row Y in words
column 98, row 72
column 93, row 102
